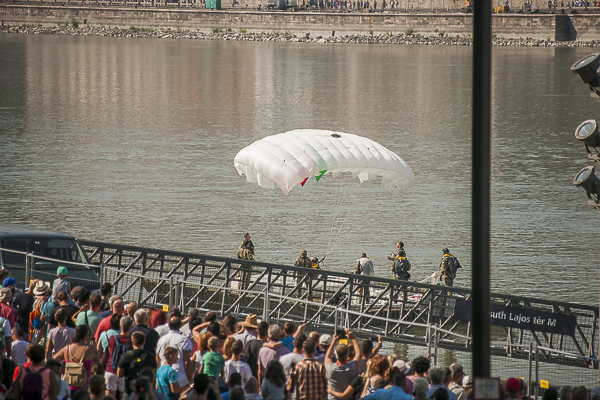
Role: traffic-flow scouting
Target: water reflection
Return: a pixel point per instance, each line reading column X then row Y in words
column 133, row 141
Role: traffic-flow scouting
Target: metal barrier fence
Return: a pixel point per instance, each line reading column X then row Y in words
column 398, row 310
column 25, row 267
column 419, row 315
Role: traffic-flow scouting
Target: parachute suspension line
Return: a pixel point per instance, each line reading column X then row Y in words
column 354, row 196
column 350, row 194
column 290, row 245
column 355, row 223
column 340, row 199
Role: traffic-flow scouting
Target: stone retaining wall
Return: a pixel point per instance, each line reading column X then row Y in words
column 547, row 26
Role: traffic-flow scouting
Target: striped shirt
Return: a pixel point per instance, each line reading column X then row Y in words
column 312, row 380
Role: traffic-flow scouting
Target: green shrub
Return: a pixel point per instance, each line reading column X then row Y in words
column 74, row 23
column 228, row 30
column 408, row 32
column 242, row 31
column 216, row 30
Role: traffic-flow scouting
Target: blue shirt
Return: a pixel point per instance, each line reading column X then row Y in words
column 164, row 377
column 393, row 393
column 48, row 307
column 288, row 342
column 434, row 388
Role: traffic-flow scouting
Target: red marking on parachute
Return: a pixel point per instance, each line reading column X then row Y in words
column 303, row 182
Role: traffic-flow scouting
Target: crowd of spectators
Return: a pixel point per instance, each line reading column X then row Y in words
column 80, row 346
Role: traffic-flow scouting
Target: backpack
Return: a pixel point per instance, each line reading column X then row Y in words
column 34, row 317
column 368, row 268
column 118, row 352
column 33, row 383
column 75, row 373
column 454, row 265
column 135, row 367
column 401, row 268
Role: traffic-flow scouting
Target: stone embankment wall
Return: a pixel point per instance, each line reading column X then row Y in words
column 558, row 27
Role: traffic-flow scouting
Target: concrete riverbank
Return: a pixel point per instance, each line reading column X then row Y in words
column 261, row 25
column 407, row 38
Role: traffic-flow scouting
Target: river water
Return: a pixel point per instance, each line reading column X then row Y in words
column 132, row 141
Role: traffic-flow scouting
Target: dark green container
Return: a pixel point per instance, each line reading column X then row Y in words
column 213, row 4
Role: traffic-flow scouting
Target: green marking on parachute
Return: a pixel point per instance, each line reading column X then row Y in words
column 320, row 175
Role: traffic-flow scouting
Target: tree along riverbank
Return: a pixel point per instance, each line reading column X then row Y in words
column 407, row 37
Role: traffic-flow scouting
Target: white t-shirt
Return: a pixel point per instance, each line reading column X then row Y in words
column 238, row 366
column 162, row 329
column 6, row 327
column 18, row 355
column 181, row 343
column 288, row 360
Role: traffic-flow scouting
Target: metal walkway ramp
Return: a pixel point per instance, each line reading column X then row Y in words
column 404, row 312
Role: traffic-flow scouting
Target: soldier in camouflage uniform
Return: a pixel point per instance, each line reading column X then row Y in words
column 447, row 267
column 244, row 253
column 400, row 247
column 304, row 262
column 249, row 245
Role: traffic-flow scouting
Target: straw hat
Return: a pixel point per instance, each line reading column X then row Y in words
column 251, row 321
column 41, row 288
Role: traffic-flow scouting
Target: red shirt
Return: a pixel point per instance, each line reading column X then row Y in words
column 27, row 364
column 9, row 313
column 108, row 353
column 103, row 326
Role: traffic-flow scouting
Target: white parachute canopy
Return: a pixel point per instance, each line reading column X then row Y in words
column 291, row 158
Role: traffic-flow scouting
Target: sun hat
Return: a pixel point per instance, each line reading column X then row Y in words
column 5, row 294
column 9, row 282
column 62, row 271
column 41, row 288
column 251, row 321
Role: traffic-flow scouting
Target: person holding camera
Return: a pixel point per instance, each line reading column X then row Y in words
column 341, row 372
column 309, row 379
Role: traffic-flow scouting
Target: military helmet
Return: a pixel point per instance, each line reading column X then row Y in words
column 401, row 244
column 303, row 253
column 314, row 259
column 445, row 250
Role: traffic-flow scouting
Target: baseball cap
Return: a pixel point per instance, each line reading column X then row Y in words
column 325, row 339
column 62, row 271
column 9, row 282
column 467, row 381
column 401, row 365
